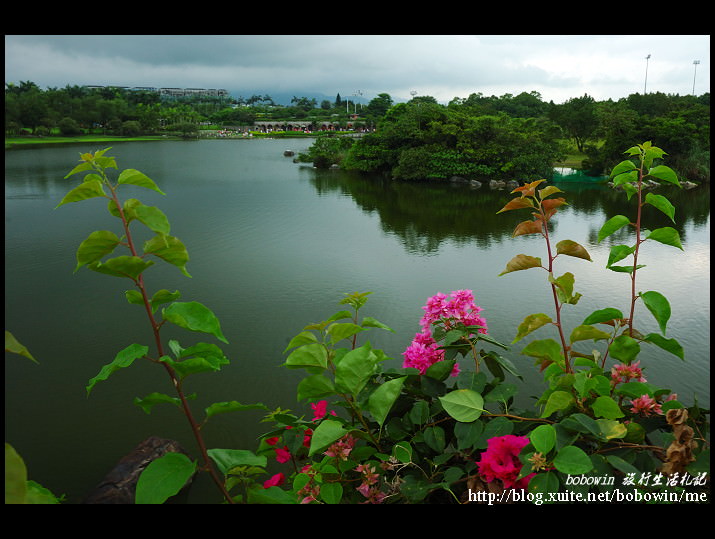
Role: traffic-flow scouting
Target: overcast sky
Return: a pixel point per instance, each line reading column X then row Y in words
column 558, row 67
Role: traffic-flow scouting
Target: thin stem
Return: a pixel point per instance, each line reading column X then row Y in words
column 195, row 428
column 634, row 297
column 557, row 305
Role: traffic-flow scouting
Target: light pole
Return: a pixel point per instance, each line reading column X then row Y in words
column 695, row 63
column 645, row 85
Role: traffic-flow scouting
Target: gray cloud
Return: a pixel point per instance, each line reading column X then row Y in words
column 557, row 66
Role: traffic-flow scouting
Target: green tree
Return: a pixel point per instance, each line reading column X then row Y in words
column 578, row 118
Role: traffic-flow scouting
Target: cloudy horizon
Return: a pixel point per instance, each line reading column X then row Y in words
column 558, row 67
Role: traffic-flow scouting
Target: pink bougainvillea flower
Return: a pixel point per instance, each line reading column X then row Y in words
column 646, row 405
column 282, row 454
column 627, row 373
column 501, row 461
column 272, row 441
column 306, row 437
column 457, row 308
column 275, row 481
column 342, row 448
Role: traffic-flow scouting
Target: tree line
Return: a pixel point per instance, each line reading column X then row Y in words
column 521, row 136
column 478, row 136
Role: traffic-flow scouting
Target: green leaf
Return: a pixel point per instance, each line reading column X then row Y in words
column 331, row 493
column 129, row 267
column 370, row 322
column 271, row 495
column 355, row 369
column 194, row 316
column 163, row 478
column 441, row 369
column 463, row 405
column 134, row 177
column 97, row 245
column 521, row 262
column 544, row 349
column 315, row 387
column 122, row 360
column 501, row 393
column 153, row 218
column 402, row 451
column 308, row 356
column 626, row 178
column 148, row 402
column 619, row 252
column 325, row 434
column 543, row 438
column 227, row 459
column 571, row 248
column 304, row 337
column 603, row 315
column 610, row 429
column 619, row 464
column 467, row 434
column 662, row 203
column 666, row 235
column 624, row 348
column 544, row 483
column 623, row 166
column 659, row 307
column 607, row 408
column 170, row 249
column 531, row 323
column 564, row 288
column 163, row 296
column 15, row 477
column 572, row 460
column 340, row 331
column 231, row 406
column 207, row 358
column 434, row 438
column 669, row 345
column 14, row 346
column 384, row 397
column 612, row 225
column 558, row 400
column 664, row 173
column 83, row 191
column 587, row 332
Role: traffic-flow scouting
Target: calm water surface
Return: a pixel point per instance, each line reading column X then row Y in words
column 274, row 246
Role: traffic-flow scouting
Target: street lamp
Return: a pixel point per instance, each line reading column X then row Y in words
column 695, row 63
column 645, row 85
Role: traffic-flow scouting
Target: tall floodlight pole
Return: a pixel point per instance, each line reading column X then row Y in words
column 695, row 63
column 645, row 85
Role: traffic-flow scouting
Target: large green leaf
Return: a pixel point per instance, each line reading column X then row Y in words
column 98, row 244
column 666, row 235
column 129, row 267
column 624, row 348
column 603, row 315
column 170, row 249
column 194, row 316
column 558, row 400
column 122, row 360
column 15, row 477
column 612, row 225
column 227, row 459
column 134, row 177
column 308, row 356
column 572, row 460
column 662, row 203
column 669, row 345
column 315, row 387
column 463, row 405
column 543, row 438
column 587, row 332
column 384, row 397
column 664, row 173
column 355, row 369
column 325, row 434
column 232, row 406
column 619, row 252
column 607, row 408
column 153, row 218
column 659, row 307
column 83, row 191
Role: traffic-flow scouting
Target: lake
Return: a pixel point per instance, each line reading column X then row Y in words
column 274, row 245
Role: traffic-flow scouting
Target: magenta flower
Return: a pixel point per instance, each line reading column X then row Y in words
column 275, row 481
column 501, row 461
column 282, row 454
column 342, row 448
column 320, row 408
column 457, row 308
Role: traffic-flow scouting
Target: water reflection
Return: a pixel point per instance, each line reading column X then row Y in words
column 425, row 215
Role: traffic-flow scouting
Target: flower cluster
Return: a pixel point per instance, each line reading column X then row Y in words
column 627, row 373
column 342, row 448
column 646, row 405
column 369, row 486
column 457, row 308
column 501, row 461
